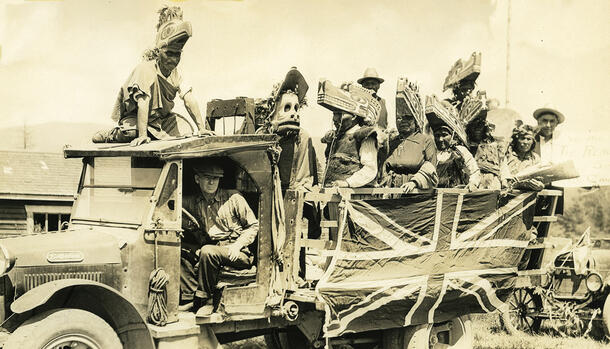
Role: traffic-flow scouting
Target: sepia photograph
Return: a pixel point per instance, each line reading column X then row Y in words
column 268, row 174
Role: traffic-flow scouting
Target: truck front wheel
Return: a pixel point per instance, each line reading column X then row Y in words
column 64, row 328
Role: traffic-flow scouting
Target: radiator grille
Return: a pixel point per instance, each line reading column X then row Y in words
column 33, row 280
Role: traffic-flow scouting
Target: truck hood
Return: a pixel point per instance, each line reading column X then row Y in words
column 78, row 247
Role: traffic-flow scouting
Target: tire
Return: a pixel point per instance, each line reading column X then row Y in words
column 605, row 323
column 291, row 338
column 455, row 333
column 63, row 328
column 518, row 319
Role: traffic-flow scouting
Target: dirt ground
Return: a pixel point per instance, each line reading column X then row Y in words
column 489, row 335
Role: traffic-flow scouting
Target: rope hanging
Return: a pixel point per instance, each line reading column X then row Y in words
column 157, row 293
column 157, row 297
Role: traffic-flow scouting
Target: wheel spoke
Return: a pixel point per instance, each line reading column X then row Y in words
column 529, row 325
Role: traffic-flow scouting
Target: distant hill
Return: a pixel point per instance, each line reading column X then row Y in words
column 48, row 137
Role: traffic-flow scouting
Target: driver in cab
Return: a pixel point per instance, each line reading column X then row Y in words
column 227, row 226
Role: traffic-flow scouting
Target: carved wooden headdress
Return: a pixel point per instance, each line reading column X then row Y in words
column 441, row 113
column 351, row 98
column 463, row 71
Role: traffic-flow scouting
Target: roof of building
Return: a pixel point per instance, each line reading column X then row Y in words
column 38, row 176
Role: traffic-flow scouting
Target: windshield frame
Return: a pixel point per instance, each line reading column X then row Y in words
column 146, row 211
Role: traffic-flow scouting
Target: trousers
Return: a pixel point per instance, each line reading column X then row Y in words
column 201, row 278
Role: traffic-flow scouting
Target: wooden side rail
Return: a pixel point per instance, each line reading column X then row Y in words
column 545, row 219
column 550, row 192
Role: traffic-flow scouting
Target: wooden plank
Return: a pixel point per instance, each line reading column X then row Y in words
column 531, row 272
column 550, row 192
column 328, row 224
column 545, row 219
column 322, row 197
column 13, row 221
column 22, row 227
column 318, row 244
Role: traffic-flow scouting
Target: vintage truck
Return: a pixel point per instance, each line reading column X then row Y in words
column 88, row 286
column 553, row 286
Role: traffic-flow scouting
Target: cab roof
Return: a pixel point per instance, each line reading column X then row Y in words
column 189, row 147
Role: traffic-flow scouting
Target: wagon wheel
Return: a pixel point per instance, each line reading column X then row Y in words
column 521, row 317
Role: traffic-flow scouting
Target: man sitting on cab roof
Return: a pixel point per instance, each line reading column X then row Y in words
column 143, row 108
column 230, row 225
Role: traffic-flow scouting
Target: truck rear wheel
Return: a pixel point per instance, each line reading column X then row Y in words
column 455, row 333
column 64, row 328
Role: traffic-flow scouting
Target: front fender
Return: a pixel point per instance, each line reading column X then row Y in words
column 92, row 296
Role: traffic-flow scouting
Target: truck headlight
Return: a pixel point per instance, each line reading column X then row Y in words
column 7, row 261
column 594, row 282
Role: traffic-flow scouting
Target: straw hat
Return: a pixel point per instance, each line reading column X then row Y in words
column 370, row 73
column 548, row 109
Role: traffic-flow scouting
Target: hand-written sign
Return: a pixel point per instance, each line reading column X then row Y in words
column 590, row 152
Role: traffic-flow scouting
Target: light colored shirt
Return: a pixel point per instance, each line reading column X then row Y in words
column 472, row 169
column 227, row 216
column 550, row 150
column 368, row 159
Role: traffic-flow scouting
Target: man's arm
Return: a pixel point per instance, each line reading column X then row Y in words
column 472, row 169
column 248, row 221
column 143, row 106
column 192, row 107
column 368, row 158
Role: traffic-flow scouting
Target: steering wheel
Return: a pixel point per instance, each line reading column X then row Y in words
column 190, row 217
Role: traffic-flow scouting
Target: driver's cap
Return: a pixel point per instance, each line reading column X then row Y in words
column 209, row 170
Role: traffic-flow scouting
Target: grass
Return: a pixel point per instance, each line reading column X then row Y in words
column 489, row 335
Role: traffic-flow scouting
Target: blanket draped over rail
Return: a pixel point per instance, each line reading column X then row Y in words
column 423, row 258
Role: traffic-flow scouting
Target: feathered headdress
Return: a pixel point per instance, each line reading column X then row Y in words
column 172, row 31
column 167, row 14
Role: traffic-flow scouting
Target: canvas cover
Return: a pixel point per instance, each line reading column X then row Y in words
column 424, row 258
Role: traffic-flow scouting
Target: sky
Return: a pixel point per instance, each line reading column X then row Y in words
column 65, row 60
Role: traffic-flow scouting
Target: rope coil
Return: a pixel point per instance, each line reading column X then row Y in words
column 157, row 297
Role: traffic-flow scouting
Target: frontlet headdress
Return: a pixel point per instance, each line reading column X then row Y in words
column 351, row 98
column 172, row 31
column 463, row 71
column 408, row 102
column 441, row 113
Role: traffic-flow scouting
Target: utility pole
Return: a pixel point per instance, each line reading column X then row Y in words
column 507, row 87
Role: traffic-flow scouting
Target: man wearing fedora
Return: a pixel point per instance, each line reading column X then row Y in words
column 371, row 80
column 548, row 147
column 546, row 141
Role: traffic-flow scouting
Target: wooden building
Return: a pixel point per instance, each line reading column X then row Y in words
column 36, row 191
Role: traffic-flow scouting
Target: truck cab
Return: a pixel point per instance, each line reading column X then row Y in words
column 127, row 220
